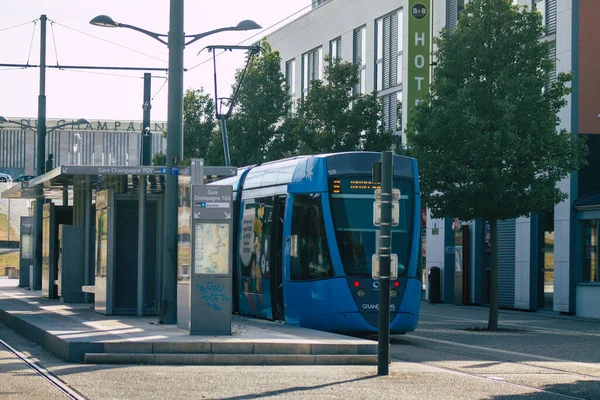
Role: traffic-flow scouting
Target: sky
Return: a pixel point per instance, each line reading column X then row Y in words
column 118, row 95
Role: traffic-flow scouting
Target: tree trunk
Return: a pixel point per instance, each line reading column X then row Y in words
column 494, row 293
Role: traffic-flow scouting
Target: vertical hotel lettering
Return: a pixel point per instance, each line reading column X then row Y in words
column 419, row 28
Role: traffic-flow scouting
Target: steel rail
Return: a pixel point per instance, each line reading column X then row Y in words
column 44, row 373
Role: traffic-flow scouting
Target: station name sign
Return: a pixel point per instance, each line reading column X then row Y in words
column 112, row 170
column 93, row 126
column 212, row 202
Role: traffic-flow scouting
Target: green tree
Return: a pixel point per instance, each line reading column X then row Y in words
column 333, row 117
column 486, row 138
column 263, row 102
column 159, row 158
column 198, row 123
column 198, row 127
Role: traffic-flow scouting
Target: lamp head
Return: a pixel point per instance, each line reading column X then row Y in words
column 104, row 20
column 82, row 121
column 247, row 25
column 2, row 119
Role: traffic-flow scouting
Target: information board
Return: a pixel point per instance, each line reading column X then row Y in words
column 211, row 248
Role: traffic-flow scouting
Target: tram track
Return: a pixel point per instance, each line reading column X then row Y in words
column 52, row 379
column 411, row 342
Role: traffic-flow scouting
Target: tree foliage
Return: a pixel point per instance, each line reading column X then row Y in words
column 486, row 137
column 333, row 117
column 198, row 127
column 198, row 123
column 263, row 101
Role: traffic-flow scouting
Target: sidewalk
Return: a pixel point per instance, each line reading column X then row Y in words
column 75, row 333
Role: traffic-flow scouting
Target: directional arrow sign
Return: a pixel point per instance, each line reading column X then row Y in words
column 220, row 171
column 197, row 215
column 228, row 215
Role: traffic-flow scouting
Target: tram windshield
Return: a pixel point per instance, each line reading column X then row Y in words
column 357, row 237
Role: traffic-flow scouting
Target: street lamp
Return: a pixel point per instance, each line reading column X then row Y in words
column 176, row 41
column 42, row 130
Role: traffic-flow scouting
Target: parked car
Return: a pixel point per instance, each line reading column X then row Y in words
column 24, row 178
column 5, row 177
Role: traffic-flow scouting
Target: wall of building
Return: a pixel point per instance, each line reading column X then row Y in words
column 99, row 143
column 589, row 67
column 563, row 212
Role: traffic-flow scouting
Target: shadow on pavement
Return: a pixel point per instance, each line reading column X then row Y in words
column 273, row 393
column 578, row 390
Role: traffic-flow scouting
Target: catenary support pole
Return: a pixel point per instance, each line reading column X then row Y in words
column 168, row 309
column 144, row 160
column 223, row 119
column 383, row 347
column 40, row 165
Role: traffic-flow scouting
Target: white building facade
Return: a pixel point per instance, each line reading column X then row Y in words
column 547, row 261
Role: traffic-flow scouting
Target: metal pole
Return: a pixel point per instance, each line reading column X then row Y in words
column 225, row 143
column 385, row 242
column 144, row 160
column 146, row 135
column 88, row 273
column 168, row 309
column 41, row 155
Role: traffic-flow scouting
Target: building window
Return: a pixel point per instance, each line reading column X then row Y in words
column 360, row 58
column 335, row 49
column 311, row 68
column 389, row 46
column 591, row 266
column 290, row 78
column 391, row 105
column 548, row 10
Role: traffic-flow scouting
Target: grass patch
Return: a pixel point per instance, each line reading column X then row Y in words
column 3, row 229
column 8, row 260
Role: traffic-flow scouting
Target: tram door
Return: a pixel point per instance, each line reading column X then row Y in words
column 276, row 256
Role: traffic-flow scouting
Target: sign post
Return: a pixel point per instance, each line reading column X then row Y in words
column 211, row 272
column 384, row 207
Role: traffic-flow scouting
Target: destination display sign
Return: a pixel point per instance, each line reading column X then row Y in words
column 212, row 202
column 352, row 185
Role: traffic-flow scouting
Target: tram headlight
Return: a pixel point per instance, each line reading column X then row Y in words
column 361, row 293
column 393, row 293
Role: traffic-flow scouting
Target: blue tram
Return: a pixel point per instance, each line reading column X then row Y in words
column 304, row 238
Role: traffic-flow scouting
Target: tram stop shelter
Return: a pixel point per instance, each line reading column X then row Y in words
column 90, row 241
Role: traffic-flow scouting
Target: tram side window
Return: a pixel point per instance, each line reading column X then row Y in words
column 309, row 258
column 256, row 242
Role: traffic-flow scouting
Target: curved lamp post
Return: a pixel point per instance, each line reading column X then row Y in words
column 176, row 41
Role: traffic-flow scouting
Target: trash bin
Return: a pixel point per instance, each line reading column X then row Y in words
column 435, row 292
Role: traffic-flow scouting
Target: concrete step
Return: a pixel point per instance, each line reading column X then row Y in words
column 242, row 347
column 229, row 359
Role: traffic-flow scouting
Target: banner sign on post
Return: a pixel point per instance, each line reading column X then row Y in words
column 419, row 36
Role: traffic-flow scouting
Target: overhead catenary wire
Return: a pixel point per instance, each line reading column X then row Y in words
column 161, row 87
column 108, row 41
column 98, row 73
column 16, row 26
column 54, row 41
column 255, row 35
column 31, row 42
